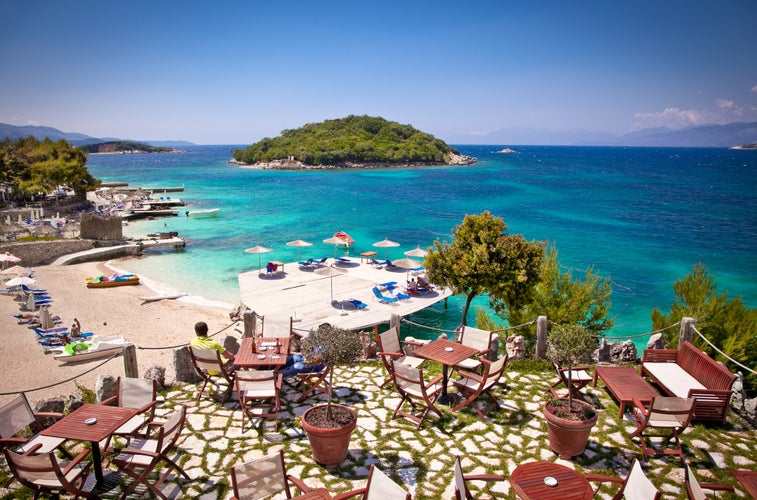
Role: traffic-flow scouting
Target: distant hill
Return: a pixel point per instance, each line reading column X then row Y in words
column 8, row 131
column 352, row 141
column 123, row 147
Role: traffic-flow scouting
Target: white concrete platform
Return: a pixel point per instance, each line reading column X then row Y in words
column 305, row 295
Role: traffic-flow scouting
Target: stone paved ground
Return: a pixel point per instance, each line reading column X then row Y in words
column 423, row 460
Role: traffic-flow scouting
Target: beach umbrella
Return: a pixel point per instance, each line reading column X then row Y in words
column 335, row 240
column 20, row 280
column 386, row 243
column 299, row 244
column 406, row 264
column 331, row 271
column 16, row 271
column 8, row 257
column 45, row 319
column 258, row 250
column 417, row 252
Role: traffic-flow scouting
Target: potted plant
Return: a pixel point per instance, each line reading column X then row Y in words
column 569, row 421
column 330, row 426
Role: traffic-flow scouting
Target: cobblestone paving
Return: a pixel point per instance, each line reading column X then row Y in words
column 422, row 460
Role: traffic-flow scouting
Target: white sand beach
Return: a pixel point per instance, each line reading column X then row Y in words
column 104, row 311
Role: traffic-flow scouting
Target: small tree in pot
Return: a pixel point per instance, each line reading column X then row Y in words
column 569, row 422
column 329, row 426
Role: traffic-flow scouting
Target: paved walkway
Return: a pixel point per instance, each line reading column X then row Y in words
column 423, row 460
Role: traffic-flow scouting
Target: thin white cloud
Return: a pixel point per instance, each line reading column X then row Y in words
column 754, row 89
column 674, row 118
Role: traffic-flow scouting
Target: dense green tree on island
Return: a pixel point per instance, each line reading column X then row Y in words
column 483, row 258
column 354, row 139
column 33, row 167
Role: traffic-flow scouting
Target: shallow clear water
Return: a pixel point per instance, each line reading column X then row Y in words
column 643, row 216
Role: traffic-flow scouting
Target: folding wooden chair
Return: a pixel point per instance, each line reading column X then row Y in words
column 390, row 349
column 140, row 394
column 574, row 380
column 313, row 381
column 636, row 486
column 480, row 340
column 414, row 389
column 210, row 366
column 142, row 456
column 43, row 473
column 472, row 385
column 16, row 418
column 258, row 394
column 663, row 417
column 695, row 489
column 378, row 486
column 264, row 477
column 461, row 481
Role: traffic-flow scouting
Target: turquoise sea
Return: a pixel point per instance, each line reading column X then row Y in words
column 643, row 216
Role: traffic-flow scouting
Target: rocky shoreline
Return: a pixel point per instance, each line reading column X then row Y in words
column 292, row 164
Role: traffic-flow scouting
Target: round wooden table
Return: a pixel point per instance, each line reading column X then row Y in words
column 528, row 482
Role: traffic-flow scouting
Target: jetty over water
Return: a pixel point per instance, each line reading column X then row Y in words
column 116, row 251
column 303, row 295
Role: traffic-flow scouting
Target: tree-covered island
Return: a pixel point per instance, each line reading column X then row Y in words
column 350, row 142
column 124, row 147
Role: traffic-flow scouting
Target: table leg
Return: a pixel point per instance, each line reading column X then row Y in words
column 445, row 398
column 101, row 483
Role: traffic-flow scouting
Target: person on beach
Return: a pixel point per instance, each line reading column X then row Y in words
column 202, row 341
column 75, row 329
column 412, row 287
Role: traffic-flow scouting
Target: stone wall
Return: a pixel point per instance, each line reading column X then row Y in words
column 101, row 227
column 39, row 253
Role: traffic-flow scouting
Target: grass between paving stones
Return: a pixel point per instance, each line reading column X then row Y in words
column 422, row 460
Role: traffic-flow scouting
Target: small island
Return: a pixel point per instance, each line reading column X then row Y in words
column 746, row 146
column 123, row 147
column 350, row 142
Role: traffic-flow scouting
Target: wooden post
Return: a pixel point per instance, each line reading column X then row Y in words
column 131, row 370
column 541, row 337
column 394, row 320
column 249, row 317
column 687, row 331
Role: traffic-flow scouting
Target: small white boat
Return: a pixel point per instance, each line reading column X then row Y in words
column 506, row 151
column 203, row 214
column 167, row 296
column 96, row 347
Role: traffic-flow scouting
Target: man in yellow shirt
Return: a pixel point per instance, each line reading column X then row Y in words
column 202, row 341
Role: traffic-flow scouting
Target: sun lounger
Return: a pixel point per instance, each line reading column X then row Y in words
column 383, row 298
column 358, row 304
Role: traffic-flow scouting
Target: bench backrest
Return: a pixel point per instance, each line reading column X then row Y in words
column 706, row 370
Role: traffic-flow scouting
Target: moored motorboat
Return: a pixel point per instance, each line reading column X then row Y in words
column 94, row 348
column 348, row 241
column 111, row 281
column 204, row 213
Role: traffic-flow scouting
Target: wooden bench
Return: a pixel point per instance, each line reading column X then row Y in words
column 690, row 373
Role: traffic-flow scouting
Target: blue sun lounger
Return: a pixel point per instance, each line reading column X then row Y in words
column 383, row 298
column 358, row 304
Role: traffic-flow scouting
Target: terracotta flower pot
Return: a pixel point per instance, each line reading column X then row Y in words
column 568, row 438
column 329, row 445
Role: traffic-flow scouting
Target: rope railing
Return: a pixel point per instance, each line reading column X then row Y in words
column 529, row 323
column 721, row 352
column 62, row 381
column 186, row 343
column 637, row 336
column 404, row 320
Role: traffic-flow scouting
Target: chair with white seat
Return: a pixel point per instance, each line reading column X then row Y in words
column 264, row 477
column 16, row 417
column 414, row 389
column 43, row 473
column 574, row 379
column 636, row 486
column 472, row 385
column 663, row 417
column 695, row 489
column 378, row 486
column 390, row 349
column 478, row 339
column 139, row 394
column 210, row 366
column 258, row 394
column 461, row 480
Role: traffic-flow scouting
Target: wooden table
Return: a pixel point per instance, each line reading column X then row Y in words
column 625, row 383
column 252, row 355
column 528, row 482
column 747, row 479
column 73, row 426
column 366, row 257
column 447, row 353
column 279, row 265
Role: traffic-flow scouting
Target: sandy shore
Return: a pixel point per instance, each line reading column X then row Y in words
column 104, row 311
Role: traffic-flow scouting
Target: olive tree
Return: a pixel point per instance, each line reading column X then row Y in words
column 483, row 259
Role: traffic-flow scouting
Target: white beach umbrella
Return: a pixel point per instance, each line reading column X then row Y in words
column 45, row 319
column 20, row 280
column 330, row 271
column 335, row 240
column 406, row 264
column 9, row 257
column 299, row 244
column 417, row 252
column 258, row 249
column 386, row 243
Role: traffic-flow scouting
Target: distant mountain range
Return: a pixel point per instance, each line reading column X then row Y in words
column 715, row 136
column 15, row 132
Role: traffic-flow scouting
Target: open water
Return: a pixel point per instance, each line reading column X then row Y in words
column 643, row 216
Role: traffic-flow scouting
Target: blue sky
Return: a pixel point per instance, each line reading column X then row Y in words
column 468, row 72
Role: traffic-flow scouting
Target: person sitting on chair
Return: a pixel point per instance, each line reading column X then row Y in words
column 412, row 287
column 424, row 284
column 202, row 341
column 296, row 364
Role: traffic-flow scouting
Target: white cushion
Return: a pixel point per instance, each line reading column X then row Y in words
column 674, row 378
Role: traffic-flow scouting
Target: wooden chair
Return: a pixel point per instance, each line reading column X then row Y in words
column 636, row 486
column 43, row 473
column 141, row 456
column 258, row 394
column 574, row 380
column 16, row 418
column 663, row 417
column 472, row 385
column 139, row 394
column 379, row 486
column 264, row 477
column 210, row 366
column 481, row 340
column 313, row 381
column 390, row 349
column 461, row 480
column 695, row 489
column 413, row 389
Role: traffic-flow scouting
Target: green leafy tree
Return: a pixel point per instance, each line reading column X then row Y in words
column 726, row 323
column 567, row 346
column 567, row 300
column 483, row 258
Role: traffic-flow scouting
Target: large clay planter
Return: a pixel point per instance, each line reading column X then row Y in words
column 329, row 446
column 568, row 438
